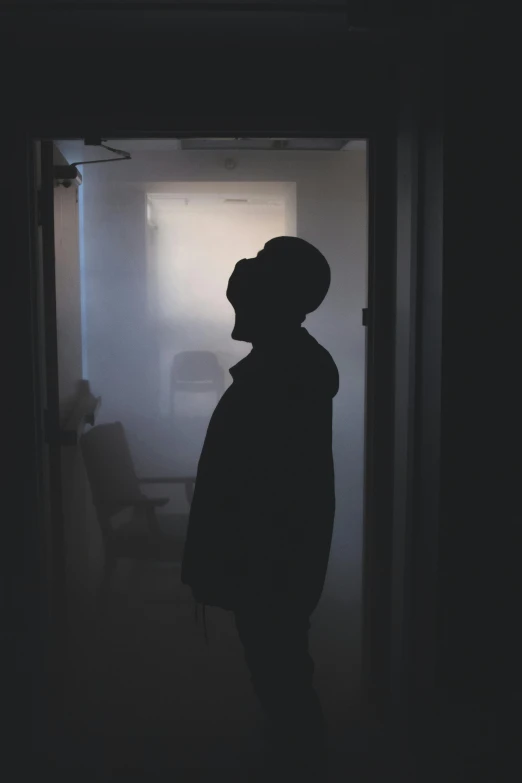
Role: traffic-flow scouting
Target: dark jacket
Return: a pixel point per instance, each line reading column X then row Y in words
column 262, row 516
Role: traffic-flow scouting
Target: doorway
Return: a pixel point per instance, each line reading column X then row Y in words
column 203, row 108
column 157, row 237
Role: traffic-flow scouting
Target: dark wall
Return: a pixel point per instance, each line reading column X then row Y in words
column 60, row 74
column 478, row 557
column 56, row 78
column 21, row 551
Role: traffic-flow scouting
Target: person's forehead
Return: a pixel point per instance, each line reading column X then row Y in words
column 247, row 264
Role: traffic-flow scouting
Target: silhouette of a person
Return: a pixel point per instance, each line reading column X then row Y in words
column 261, row 521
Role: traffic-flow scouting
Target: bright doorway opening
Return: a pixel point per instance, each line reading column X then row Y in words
column 141, row 275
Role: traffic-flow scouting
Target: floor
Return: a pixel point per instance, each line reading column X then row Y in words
column 147, row 698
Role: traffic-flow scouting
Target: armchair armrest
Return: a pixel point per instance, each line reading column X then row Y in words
column 188, row 481
column 145, row 502
column 149, row 506
column 166, row 479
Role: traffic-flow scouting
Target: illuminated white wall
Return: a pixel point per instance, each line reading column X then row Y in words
column 194, row 245
column 128, row 328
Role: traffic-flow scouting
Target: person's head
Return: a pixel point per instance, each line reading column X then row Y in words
column 276, row 290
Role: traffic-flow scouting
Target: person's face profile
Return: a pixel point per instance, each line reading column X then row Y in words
column 257, row 294
column 245, row 292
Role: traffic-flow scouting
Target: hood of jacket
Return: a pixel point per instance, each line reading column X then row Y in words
column 299, row 360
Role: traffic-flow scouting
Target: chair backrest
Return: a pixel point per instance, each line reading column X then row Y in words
column 110, row 469
column 196, row 371
column 196, row 367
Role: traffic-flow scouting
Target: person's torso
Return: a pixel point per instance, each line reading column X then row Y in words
column 235, row 474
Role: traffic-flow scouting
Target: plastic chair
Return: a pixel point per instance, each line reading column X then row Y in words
column 196, row 371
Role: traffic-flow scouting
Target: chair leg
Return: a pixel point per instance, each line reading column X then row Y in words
column 152, row 521
column 105, row 586
column 138, row 572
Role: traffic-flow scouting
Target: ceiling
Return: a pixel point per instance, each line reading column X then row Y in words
column 314, row 144
column 75, row 150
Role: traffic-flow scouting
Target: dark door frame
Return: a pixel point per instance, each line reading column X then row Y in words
column 405, row 307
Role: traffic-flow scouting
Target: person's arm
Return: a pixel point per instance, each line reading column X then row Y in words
column 283, row 493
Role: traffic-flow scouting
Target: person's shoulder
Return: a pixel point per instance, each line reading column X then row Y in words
column 318, row 369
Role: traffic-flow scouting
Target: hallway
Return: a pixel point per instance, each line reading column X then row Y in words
column 148, row 698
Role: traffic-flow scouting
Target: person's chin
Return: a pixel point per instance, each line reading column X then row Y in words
column 241, row 336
